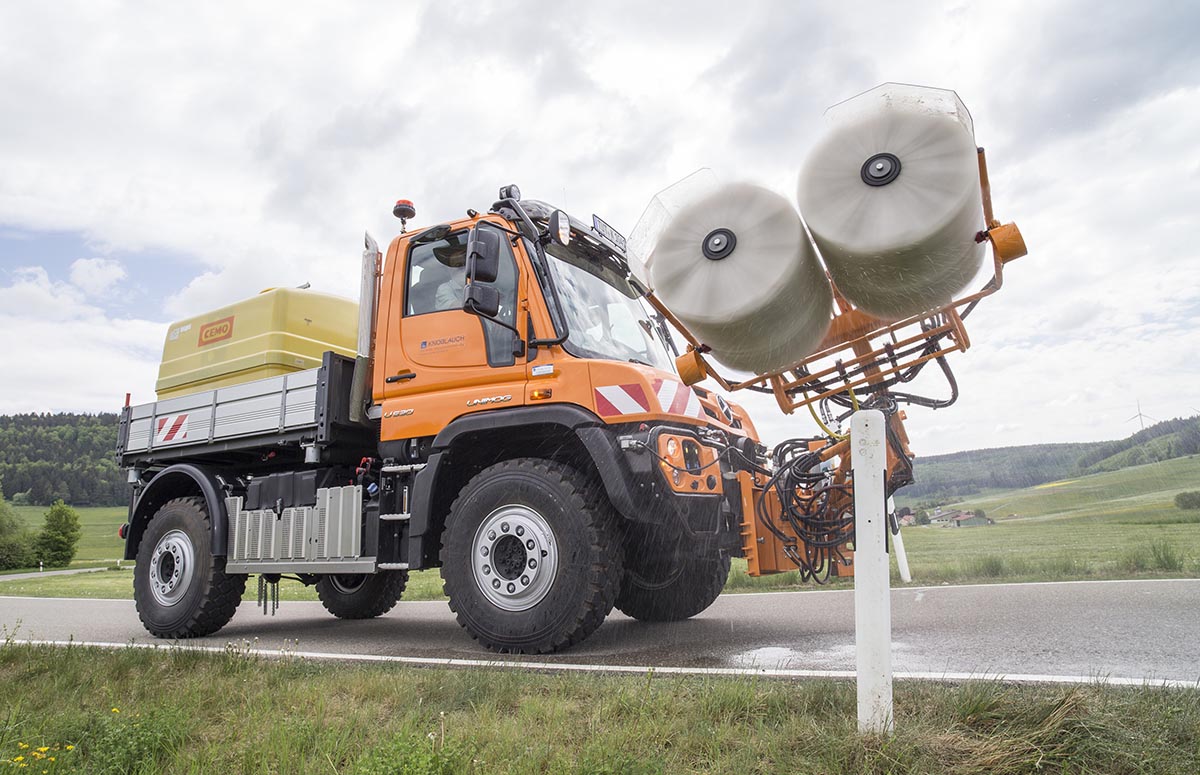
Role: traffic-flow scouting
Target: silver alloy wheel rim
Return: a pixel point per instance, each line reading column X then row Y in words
column 172, row 567
column 339, row 582
column 514, row 558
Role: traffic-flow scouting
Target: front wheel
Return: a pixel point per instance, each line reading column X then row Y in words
column 361, row 595
column 666, row 581
column 181, row 590
column 531, row 558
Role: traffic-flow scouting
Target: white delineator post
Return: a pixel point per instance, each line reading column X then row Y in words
column 872, row 601
column 901, row 558
column 898, row 542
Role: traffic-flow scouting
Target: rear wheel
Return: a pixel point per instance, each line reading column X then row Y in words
column 180, row 588
column 531, row 559
column 361, row 595
column 665, row 580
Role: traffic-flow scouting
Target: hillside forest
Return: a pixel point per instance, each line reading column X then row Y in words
column 70, row 457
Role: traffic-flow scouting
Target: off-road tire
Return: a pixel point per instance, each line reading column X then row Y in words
column 211, row 596
column 666, row 581
column 361, row 596
column 589, row 561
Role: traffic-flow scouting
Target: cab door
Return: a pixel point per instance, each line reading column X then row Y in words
column 440, row 362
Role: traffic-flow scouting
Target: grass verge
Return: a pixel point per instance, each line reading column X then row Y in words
column 134, row 711
column 118, row 585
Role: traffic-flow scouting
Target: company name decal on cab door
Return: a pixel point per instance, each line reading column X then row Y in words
column 446, row 341
column 216, row 331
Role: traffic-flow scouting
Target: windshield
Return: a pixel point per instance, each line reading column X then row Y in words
column 603, row 311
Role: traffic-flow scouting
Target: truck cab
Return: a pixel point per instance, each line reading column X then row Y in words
column 522, row 335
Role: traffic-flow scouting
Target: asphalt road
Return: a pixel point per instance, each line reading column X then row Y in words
column 1120, row 630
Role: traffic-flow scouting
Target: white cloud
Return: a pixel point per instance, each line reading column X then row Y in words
column 96, row 276
column 62, row 353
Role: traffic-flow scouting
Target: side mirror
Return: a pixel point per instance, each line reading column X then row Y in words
column 483, row 255
column 482, row 300
column 560, row 228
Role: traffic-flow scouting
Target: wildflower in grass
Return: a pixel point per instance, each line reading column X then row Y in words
column 19, row 759
column 116, row 710
column 43, row 749
column 22, row 746
column 70, row 748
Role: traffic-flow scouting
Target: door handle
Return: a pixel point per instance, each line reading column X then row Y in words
column 401, row 377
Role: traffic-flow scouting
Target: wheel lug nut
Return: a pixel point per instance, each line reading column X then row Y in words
column 525, row 580
column 495, row 583
column 503, row 527
column 533, row 563
column 529, row 544
column 520, row 530
column 492, row 535
column 484, row 551
column 512, row 587
column 487, row 570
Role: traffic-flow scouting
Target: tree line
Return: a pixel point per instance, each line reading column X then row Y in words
column 70, row 457
column 65, row 456
column 945, row 478
column 53, row 546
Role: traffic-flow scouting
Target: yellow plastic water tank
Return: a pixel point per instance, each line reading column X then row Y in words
column 277, row 332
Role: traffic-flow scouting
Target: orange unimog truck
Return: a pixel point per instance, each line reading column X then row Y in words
column 502, row 404
column 508, row 411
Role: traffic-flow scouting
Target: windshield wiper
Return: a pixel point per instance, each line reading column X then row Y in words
column 643, row 363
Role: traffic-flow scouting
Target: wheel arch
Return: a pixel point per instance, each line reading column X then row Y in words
column 562, row 432
column 179, row 481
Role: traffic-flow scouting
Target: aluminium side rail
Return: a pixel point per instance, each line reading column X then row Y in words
column 304, row 410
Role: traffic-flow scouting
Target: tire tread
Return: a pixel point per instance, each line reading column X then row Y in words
column 604, row 578
column 217, row 603
column 391, row 587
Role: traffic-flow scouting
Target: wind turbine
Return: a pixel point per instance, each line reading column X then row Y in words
column 1141, row 418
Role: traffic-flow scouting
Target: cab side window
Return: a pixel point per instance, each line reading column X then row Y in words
column 437, row 274
column 437, row 277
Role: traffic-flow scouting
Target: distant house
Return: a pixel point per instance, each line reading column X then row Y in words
column 967, row 519
column 942, row 518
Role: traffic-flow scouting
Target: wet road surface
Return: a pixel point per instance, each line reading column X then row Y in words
column 1134, row 630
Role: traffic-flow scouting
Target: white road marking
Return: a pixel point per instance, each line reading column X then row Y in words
column 903, row 588
column 567, row 667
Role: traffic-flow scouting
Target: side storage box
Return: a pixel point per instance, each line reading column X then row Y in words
column 278, row 332
column 326, row 535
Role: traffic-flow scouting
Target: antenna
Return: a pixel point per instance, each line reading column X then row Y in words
column 1141, row 418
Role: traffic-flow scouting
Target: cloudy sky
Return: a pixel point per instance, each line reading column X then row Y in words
column 158, row 160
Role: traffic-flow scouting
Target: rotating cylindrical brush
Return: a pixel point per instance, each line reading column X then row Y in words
column 891, row 196
column 737, row 269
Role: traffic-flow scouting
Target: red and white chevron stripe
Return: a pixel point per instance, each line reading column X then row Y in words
column 677, row 398
column 613, row 400
column 171, row 428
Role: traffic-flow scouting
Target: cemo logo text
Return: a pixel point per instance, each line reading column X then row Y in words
column 216, row 331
